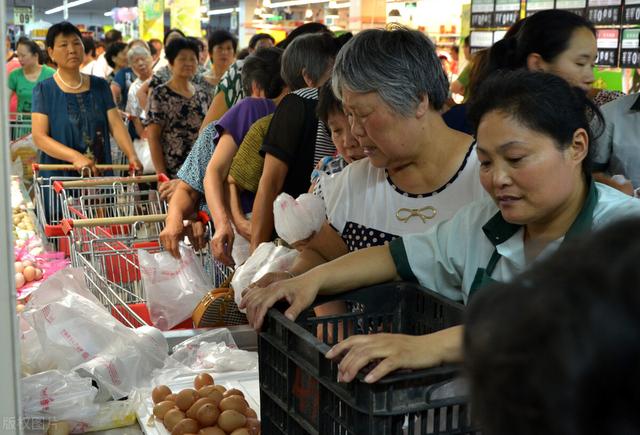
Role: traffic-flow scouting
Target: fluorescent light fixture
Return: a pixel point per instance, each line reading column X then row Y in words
column 336, row 5
column 269, row 4
column 69, row 5
column 221, row 11
column 108, row 14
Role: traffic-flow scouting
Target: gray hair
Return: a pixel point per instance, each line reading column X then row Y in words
column 401, row 65
column 311, row 53
column 137, row 51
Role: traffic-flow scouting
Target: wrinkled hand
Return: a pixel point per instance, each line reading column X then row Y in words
column 171, row 235
column 222, row 243
column 396, row 351
column 81, row 162
column 243, row 226
column 196, row 233
column 137, row 164
column 269, row 278
column 167, row 189
column 299, row 292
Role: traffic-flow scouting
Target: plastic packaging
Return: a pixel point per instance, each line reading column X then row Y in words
column 298, row 219
column 267, row 258
column 173, row 287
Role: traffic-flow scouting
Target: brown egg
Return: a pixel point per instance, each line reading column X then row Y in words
column 234, row 402
column 215, row 430
column 172, row 418
column 186, row 398
column 211, row 392
column 241, row 431
column 202, row 380
column 162, row 408
column 220, row 388
column 191, row 413
column 173, row 397
column 29, row 273
column 160, row 393
column 208, row 414
column 188, row 425
column 253, row 425
column 250, row 413
column 231, row 420
column 233, row 392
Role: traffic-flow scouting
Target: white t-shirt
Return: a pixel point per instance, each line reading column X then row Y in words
column 101, row 67
column 89, row 68
column 368, row 210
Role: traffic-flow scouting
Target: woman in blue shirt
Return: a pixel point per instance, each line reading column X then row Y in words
column 73, row 113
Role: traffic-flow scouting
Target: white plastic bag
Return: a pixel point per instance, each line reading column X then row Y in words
column 267, row 258
column 73, row 332
column 298, row 219
column 173, row 287
column 56, row 395
column 144, row 155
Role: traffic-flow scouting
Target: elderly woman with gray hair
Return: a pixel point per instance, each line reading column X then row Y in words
column 141, row 62
column 418, row 173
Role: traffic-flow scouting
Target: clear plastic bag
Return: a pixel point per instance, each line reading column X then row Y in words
column 298, row 219
column 74, row 332
column 61, row 396
column 173, row 287
column 267, row 258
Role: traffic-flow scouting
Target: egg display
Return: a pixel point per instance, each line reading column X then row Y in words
column 26, row 272
column 206, row 409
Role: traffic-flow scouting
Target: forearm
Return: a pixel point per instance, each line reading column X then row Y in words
column 55, row 149
column 216, row 196
column 157, row 155
column 235, row 206
column 121, row 135
column 183, row 203
column 446, row 344
column 307, row 260
column 137, row 124
column 217, row 108
column 362, row 268
column 262, row 216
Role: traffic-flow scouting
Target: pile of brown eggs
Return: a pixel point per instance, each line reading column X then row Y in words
column 207, row 409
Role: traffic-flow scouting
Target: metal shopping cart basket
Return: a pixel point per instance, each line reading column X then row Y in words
column 19, row 125
column 106, row 230
column 47, row 202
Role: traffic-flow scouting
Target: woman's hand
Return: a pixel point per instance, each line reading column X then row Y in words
column 396, row 351
column 81, row 162
column 222, row 242
column 136, row 163
column 167, row 189
column 171, row 235
column 299, row 292
column 196, row 233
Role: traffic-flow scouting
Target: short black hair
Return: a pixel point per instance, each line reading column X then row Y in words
column 220, row 36
column 557, row 350
column 542, row 102
column 89, row 46
column 177, row 45
column 198, row 42
column 62, row 28
column 170, row 31
column 259, row 37
column 327, row 103
column 263, row 68
column 243, row 54
column 33, row 47
column 112, row 51
column 303, row 30
column 152, row 49
column 112, row 36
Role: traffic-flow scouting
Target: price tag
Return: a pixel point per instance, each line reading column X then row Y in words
column 608, row 48
column 22, row 16
column 604, row 12
column 630, row 51
column 631, row 13
column 507, row 13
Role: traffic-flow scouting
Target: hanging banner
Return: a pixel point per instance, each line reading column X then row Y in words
column 151, row 19
column 185, row 15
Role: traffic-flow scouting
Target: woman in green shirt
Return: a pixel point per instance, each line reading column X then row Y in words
column 23, row 80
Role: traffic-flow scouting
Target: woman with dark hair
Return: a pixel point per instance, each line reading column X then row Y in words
column 222, row 52
column 73, row 113
column 176, row 110
column 533, row 146
column 22, row 80
column 260, row 40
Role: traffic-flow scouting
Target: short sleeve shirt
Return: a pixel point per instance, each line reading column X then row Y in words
column 180, row 119
column 231, row 84
column 79, row 120
column 24, row 87
column 446, row 257
column 367, row 209
column 246, row 168
column 292, row 138
column 124, row 78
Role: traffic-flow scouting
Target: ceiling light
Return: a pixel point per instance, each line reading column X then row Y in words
column 269, row 4
column 69, row 5
column 221, row 11
column 108, row 14
column 335, row 5
column 308, row 13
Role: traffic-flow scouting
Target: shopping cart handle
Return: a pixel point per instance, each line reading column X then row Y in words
column 162, row 178
column 69, row 167
column 204, row 217
column 70, row 224
column 54, row 231
column 105, row 181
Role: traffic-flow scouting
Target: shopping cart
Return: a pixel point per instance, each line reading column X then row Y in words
column 19, row 125
column 106, row 230
column 47, row 202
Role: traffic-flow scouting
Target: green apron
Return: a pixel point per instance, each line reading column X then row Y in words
column 498, row 231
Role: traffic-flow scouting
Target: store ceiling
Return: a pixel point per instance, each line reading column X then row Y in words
column 95, row 6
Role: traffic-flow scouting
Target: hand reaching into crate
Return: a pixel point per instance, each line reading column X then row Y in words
column 395, row 351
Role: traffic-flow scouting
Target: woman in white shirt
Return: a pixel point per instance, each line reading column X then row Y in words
column 533, row 146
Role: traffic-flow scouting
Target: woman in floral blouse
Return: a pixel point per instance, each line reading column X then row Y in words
column 176, row 110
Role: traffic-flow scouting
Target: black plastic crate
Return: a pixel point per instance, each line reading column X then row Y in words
column 299, row 392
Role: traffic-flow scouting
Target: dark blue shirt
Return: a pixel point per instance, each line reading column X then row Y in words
column 124, row 78
column 78, row 121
